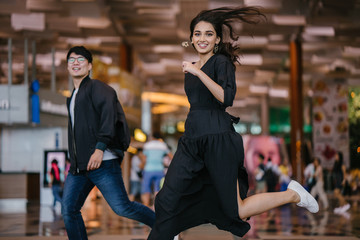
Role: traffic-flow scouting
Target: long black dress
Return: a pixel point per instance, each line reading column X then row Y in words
column 200, row 185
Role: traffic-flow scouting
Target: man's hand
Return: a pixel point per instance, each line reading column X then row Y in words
column 95, row 160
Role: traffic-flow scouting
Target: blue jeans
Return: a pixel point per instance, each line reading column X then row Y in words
column 108, row 179
column 56, row 190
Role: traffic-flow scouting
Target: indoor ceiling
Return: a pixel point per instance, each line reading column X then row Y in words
column 155, row 29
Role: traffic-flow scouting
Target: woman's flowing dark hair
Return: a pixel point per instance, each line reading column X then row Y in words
column 338, row 164
column 222, row 20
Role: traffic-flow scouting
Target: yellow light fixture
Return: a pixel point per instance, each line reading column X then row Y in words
column 139, row 135
column 66, row 93
column 164, row 108
column 180, row 126
column 167, row 98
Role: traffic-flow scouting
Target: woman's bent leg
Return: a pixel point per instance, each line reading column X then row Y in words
column 262, row 202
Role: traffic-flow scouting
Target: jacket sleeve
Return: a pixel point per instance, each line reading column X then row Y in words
column 225, row 73
column 104, row 101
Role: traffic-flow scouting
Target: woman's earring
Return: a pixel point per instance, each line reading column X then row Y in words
column 185, row 44
column 216, row 48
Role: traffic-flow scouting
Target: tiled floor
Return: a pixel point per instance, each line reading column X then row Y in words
column 287, row 223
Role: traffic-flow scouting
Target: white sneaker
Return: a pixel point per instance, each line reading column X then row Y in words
column 306, row 199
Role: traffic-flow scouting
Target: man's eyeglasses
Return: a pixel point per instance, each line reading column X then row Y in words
column 79, row 59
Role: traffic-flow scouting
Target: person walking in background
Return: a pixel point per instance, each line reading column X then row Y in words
column 67, row 167
column 97, row 137
column 339, row 176
column 136, row 174
column 260, row 175
column 285, row 171
column 318, row 188
column 154, row 150
column 309, row 172
column 206, row 181
column 56, row 184
column 271, row 176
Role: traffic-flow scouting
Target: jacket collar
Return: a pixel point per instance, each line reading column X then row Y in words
column 86, row 79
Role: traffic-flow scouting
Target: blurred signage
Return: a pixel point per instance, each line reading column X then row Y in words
column 14, row 104
column 52, row 103
column 330, row 120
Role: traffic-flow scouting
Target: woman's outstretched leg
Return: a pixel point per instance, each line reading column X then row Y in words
column 262, row 202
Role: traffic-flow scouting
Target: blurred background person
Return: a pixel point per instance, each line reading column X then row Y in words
column 309, row 172
column 339, row 176
column 318, row 188
column 55, row 183
column 154, row 150
column 261, row 148
column 285, row 171
column 272, row 174
column 260, row 176
column 67, row 167
column 136, row 174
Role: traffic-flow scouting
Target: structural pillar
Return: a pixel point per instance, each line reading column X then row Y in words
column 26, row 62
column 126, row 65
column 296, row 107
column 125, row 57
column 53, row 71
column 33, row 65
column 265, row 114
column 146, row 118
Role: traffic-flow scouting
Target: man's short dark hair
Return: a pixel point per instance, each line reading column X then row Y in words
column 80, row 50
column 157, row 135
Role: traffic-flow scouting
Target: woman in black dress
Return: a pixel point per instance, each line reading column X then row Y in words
column 339, row 180
column 206, row 181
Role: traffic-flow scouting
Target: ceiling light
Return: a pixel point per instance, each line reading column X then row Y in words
column 168, row 49
column 276, row 37
column 351, row 51
column 87, row 22
column 171, row 62
column 164, row 108
column 251, row 41
column 261, row 89
column 82, row 41
column 320, row 60
column 154, row 68
column 320, row 31
column 265, row 74
column 106, row 59
column 158, row 97
column 280, row 93
column 278, row 47
column 252, row 101
column 251, row 59
column 272, row 4
column 32, row 21
column 289, row 20
column 239, row 103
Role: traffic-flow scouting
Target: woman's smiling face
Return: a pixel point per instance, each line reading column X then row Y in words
column 204, row 38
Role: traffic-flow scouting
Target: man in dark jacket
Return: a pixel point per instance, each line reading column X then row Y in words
column 95, row 152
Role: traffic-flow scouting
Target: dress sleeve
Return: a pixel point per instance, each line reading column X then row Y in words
column 225, row 73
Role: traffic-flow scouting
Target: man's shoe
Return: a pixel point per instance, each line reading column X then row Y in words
column 306, row 199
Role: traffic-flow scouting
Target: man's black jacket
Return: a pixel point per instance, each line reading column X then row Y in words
column 95, row 115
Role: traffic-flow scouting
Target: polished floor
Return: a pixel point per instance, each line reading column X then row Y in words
column 287, row 222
